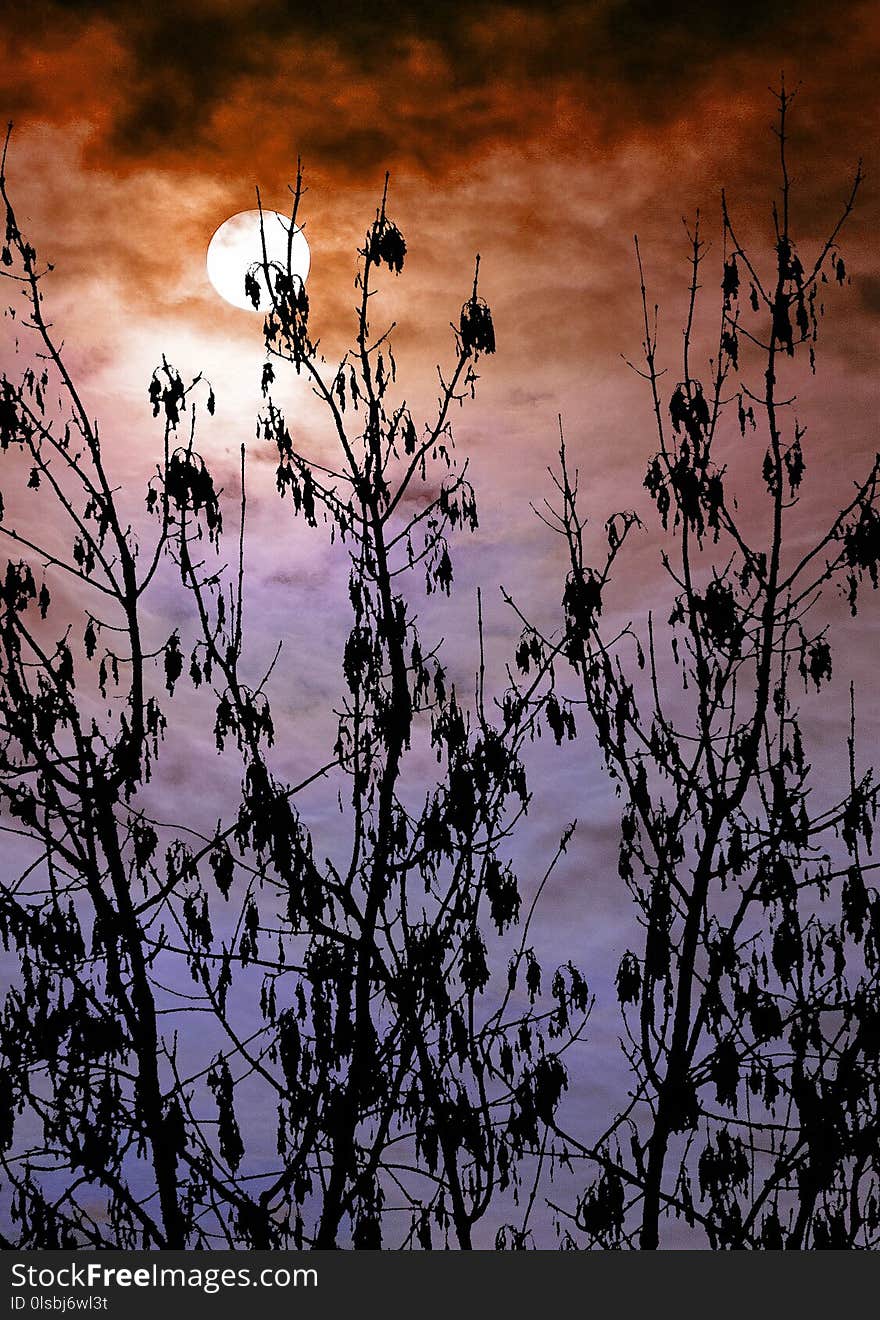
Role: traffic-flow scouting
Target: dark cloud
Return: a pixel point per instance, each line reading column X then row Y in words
column 868, row 290
column 624, row 59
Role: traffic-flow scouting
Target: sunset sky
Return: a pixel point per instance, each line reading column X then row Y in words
column 543, row 136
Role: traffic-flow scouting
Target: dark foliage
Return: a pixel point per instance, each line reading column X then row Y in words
column 386, row 1015
column 357, row 1009
column 750, row 1005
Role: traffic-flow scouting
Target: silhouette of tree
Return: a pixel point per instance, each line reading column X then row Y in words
column 377, row 1012
column 750, row 997
column 174, row 993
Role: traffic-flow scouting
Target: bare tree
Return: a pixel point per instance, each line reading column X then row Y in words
column 373, row 993
column 400, row 1045
column 750, row 996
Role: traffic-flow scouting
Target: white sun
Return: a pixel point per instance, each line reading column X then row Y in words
column 237, row 245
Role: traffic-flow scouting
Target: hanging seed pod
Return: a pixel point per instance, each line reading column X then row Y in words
column 475, row 326
column 386, row 245
column 392, row 248
column 289, row 319
column 477, row 330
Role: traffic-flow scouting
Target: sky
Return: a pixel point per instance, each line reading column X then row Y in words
column 543, row 136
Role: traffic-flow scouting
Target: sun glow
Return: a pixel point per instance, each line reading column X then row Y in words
column 237, row 246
